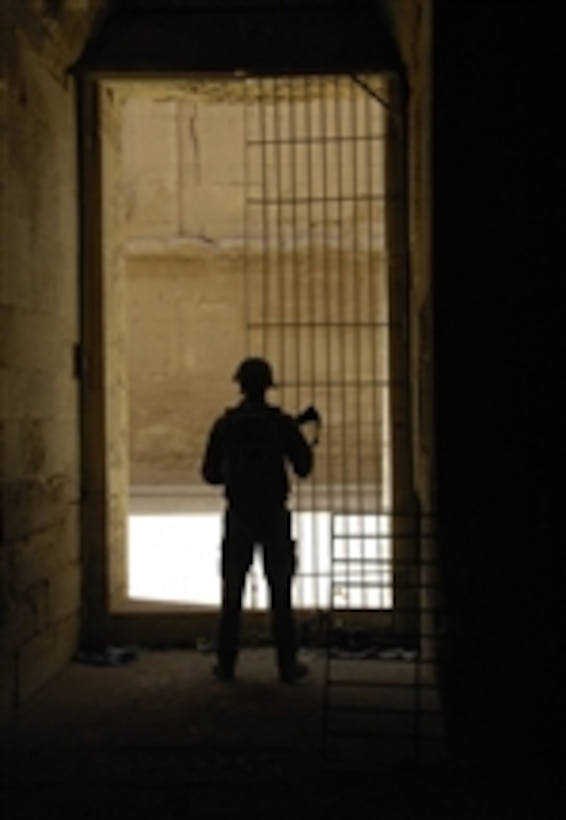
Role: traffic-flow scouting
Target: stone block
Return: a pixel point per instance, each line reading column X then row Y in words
column 23, row 594
column 17, row 285
column 31, row 505
column 3, row 456
column 37, row 557
column 66, row 391
column 39, row 448
column 6, row 574
column 64, row 593
column 6, row 329
column 28, row 394
column 21, row 332
column 68, row 545
column 8, row 686
column 151, row 205
column 41, row 658
column 30, row 614
column 61, row 441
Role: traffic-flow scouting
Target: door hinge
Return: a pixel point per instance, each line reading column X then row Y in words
column 80, row 362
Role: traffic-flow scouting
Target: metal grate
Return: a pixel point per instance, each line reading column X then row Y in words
column 316, row 294
column 325, row 285
column 381, row 698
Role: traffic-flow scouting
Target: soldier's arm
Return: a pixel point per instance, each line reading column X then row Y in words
column 298, row 450
column 211, row 469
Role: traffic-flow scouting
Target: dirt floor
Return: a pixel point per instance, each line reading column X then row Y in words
column 160, row 736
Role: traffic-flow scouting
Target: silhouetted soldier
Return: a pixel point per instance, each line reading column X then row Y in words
column 248, row 452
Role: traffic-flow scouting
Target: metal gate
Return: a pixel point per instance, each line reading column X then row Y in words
column 322, row 211
column 326, row 304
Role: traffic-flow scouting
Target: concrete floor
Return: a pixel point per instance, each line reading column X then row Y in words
column 161, row 736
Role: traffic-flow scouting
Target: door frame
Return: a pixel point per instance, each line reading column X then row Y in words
column 107, row 617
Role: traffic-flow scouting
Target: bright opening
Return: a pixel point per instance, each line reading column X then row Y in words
column 175, row 558
column 248, row 217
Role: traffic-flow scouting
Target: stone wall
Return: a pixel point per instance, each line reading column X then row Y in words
column 213, row 276
column 186, row 334
column 39, row 480
column 40, row 561
column 411, row 23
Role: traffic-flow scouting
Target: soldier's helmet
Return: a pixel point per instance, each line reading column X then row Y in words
column 254, row 373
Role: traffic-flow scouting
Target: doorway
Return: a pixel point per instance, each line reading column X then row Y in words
column 255, row 216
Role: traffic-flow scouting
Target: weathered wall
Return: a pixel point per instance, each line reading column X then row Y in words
column 115, row 292
column 40, row 561
column 187, row 332
column 411, row 23
column 39, row 479
column 214, row 277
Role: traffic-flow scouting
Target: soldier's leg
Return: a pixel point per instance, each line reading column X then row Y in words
column 283, row 623
column 229, row 623
column 279, row 564
column 237, row 552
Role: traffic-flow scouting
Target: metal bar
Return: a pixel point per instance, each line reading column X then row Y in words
column 259, row 201
column 383, row 710
column 265, row 256
column 363, row 537
column 290, row 143
column 339, row 172
column 326, row 310
column 356, row 305
column 375, row 564
column 394, row 734
column 311, row 325
column 246, row 227
column 356, row 583
column 326, row 292
column 265, row 268
column 372, row 302
column 370, row 561
column 373, row 94
column 279, row 263
column 318, row 140
column 347, row 383
column 309, row 141
column 353, row 684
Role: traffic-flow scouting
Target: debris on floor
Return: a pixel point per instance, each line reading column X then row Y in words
column 107, row 656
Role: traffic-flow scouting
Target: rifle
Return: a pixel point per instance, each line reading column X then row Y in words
column 308, row 416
